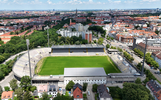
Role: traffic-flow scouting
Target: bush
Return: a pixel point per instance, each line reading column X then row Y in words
column 36, row 96
column 6, row 88
column 107, row 46
column 94, row 87
column 85, row 86
column 69, row 86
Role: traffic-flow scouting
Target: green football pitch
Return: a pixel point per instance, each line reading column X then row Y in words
column 56, row 65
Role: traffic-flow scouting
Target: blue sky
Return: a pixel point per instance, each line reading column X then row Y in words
column 79, row 4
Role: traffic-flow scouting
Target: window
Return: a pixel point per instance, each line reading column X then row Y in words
column 50, row 89
column 77, row 95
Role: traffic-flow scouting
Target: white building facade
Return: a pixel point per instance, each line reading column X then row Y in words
column 85, row 75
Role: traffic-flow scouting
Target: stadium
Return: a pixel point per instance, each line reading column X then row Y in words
column 90, row 62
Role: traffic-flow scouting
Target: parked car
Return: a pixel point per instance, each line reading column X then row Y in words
column 157, row 72
column 88, row 93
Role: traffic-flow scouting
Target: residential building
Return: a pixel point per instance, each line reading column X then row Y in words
column 103, row 93
column 154, row 88
column 6, row 95
column 157, row 57
column 80, row 30
column 152, row 46
column 77, row 92
column 52, row 90
column 80, row 19
column 41, row 89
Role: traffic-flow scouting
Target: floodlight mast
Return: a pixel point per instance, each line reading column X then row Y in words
column 142, row 74
column 47, row 28
column 28, row 43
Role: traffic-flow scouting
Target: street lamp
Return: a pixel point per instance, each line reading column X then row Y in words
column 47, row 28
column 28, row 43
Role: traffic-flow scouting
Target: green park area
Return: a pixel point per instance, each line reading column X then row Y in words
column 56, row 65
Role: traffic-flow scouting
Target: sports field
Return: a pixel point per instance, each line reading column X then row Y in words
column 56, row 65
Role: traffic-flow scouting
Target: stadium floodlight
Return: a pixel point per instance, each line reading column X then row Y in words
column 28, row 43
column 144, row 56
column 47, row 28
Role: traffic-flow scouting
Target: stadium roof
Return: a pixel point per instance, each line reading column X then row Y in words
column 84, row 72
column 78, row 46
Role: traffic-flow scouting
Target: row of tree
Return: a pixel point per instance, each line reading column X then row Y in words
column 148, row 59
column 138, row 52
column 6, row 68
column 128, row 56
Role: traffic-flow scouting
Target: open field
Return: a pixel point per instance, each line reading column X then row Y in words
column 56, row 65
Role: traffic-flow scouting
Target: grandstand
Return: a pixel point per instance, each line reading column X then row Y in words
column 77, row 48
column 21, row 67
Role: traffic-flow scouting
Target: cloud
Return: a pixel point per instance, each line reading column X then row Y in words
column 36, row 2
column 150, row 0
column 116, row 1
column 129, row 1
column 49, row 2
column 90, row 0
column 3, row 1
column 75, row 2
column 112, row 1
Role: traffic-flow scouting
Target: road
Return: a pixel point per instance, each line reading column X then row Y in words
column 92, row 95
column 7, row 79
column 136, row 58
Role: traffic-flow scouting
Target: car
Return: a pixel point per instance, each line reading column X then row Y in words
column 88, row 93
column 157, row 72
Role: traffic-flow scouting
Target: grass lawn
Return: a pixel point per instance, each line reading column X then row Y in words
column 56, row 65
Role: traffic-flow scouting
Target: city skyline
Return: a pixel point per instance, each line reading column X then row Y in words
column 79, row 4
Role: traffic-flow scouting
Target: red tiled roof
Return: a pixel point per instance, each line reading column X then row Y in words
column 158, row 95
column 7, row 95
column 30, row 32
column 77, row 93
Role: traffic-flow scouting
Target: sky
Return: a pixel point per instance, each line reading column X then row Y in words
column 79, row 4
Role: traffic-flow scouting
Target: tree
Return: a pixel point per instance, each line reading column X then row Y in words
column 1, row 91
column 94, row 87
column 107, row 46
column 156, row 31
column 77, row 42
column 25, row 82
column 1, row 75
column 27, row 96
column 85, row 86
column 100, row 40
column 84, row 41
column 138, row 81
column 132, row 91
column 13, row 84
column 69, row 86
column 32, row 88
column 45, row 96
column 62, row 97
column 6, row 88
column 1, row 58
column 19, row 93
